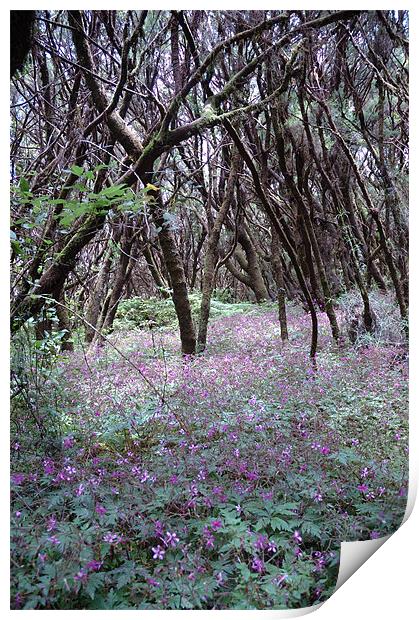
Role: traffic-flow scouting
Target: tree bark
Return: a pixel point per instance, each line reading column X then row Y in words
column 212, row 253
column 279, row 281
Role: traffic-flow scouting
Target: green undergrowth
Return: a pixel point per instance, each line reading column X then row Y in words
column 153, row 312
column 229, row 487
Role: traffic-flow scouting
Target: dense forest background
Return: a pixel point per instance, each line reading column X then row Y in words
column 157, row 153
column 209, row 302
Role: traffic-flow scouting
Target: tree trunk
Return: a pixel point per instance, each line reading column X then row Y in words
column 97, row 297
column 212, row 253
column 279, row 281
column 174, row 266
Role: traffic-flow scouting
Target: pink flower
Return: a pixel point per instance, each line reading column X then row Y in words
column 297, row 537
column 81, row 576
column 261, row 542
column 49, row 467
column 251, row 475
column 216, row 524
column 152, row 582
column 17, row 479
column 171, row 539
column 365, row 472
column 51, row 524
column 112, row 538
column 158, row 552
column 100, row 510
column 258, row 565
column 68, row 442
column 94, row 565
column 297, row 552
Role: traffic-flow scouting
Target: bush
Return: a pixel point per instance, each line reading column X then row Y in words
column 144, row 313
column 225, row 295
column 387, row 328
column 33, row 386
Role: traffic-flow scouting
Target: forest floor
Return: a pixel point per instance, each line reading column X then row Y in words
column 223, row 481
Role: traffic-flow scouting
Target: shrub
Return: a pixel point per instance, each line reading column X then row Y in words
column 152, row 312
column 387, row 328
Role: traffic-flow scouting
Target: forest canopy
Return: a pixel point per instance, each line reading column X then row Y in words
column 157, row 152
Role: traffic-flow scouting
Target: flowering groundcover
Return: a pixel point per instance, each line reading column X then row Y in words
column 221, row 481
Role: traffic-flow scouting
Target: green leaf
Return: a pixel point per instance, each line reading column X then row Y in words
column 77, row 170
column 279, row 524
column 287, row 509
column 16, row 247
column 261, row 524
column 24, row 185
column 95, row 581
column 245, row 572
column 308, row 527
column 113, row 191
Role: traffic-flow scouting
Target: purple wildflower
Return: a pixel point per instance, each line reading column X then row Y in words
column 158, row 552
column 112, row 538
column 68, row 442
column 17, row 479
column 258, row 565
column 261, row 542
column 94, row 565
column 171, row 539
column 297, row 537
column 100, row 510
column 216, row 524
column 51, row 524
column 81, row 576
column 49, row 467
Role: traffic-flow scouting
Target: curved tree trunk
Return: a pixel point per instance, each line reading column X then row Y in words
column 282, row 236
column 174, row 266
column 212, row 253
